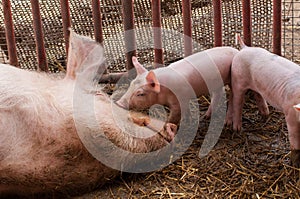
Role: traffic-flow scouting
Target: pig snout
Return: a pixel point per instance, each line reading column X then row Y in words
column 123, row 103
column 134, row 103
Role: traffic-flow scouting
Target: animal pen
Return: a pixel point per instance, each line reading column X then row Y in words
column 34, row 35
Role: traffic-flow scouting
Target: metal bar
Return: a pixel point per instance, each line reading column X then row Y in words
column 39, row 36
column 129, row 34
column 10, row 33
column 277, row 27
column 217, row 23
column 157, row 33
column 66, row 21
column 247, row 25
column 112, row 78
column 187, row 27
column 97, row 21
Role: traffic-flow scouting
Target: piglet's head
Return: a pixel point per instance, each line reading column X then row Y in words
column 143, row 90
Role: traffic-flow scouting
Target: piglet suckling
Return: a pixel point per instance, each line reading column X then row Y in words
column 200, row 74
column 60, row 136
column 273, row 79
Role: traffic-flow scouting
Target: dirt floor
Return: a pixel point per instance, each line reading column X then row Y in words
column 254, row 163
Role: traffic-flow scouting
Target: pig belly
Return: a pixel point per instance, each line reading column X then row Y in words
column 67, row 169
column 41, row 158
column 279, row 88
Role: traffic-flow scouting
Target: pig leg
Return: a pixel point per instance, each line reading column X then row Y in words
column 261, row 104
column 175, row 115
column 293, row 125
column 238, row 102
column 215, row 100
column 229, row 113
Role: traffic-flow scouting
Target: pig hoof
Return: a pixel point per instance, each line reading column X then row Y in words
column 237, row 128
column 206, row 117
column 264, row 111
column 171, row 130
column 295, row 158
column 228, row 121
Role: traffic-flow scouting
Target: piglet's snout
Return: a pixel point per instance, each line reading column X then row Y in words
column 123, row 103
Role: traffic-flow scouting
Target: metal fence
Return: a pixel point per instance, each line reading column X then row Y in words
column 291, row 30
column 37, row 30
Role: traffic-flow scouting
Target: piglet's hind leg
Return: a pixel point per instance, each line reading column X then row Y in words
column 261, row 104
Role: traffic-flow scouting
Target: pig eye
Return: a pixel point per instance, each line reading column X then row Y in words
column 140, row 94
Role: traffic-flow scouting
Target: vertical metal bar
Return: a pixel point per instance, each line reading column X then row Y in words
column 129, row 34
column 217, row 23
column 10, row 33
column 187, row 27
column 277, row 27
column 247, row 25
column 97, row 21
column 39, row 36
column 66, row 21
column 157, row 33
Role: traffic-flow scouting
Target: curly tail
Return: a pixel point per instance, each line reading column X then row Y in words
column 240, row 41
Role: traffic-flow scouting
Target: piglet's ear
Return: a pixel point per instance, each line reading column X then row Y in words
column 153, row 82
column 139, row 68
column 297, row 107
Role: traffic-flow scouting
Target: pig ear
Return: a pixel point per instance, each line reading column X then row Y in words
column 297, row 107
column 138, row 67
column 84, row 54
column 153, row 82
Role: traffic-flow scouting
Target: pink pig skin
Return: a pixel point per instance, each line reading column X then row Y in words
column 274, row 79
column 40, row 148
column 148, row 88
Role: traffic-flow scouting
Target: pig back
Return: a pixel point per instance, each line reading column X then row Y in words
column 274, row 77
column 210, row 66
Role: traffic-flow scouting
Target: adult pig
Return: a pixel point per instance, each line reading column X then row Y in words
column 272, row 78
column 211, row 66
column 43, row 126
